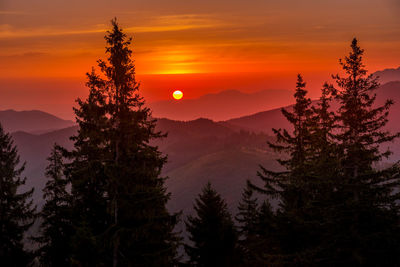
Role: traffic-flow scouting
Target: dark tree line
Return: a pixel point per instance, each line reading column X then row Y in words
column 335, row 206
column 105, row 200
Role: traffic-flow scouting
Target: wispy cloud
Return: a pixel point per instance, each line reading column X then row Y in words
column 12, row 12
column 8, row 31
column 155, row 24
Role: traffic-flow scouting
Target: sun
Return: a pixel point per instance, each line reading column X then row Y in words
column 177, row 94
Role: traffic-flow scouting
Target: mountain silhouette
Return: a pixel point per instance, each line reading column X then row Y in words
column 388, row 75
column 32, row 121
column 227, row 153
column 221, row 106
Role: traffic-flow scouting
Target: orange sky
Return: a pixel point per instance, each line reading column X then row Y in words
column 199, row 47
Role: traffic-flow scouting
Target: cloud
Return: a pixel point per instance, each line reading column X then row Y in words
column 11, row 12
column 155, row 24
column 7, row 31
column 30, row 54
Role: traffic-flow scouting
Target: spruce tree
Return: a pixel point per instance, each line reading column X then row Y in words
column 336, row 207
column 56, row 227
column 291, row 242
column 323, row 170
column 367, row 215
column 118, row 192
column 86, row 170
column 17, row 213
column 247, row 217
column 211, row 231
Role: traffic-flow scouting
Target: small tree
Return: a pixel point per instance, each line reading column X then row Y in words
column 56, row 228
column 17, row 213
column 248, row 219
column 211, row 231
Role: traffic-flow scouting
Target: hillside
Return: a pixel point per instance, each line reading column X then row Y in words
column 388, row 75
column 33, row 121
column 198, row 151
column 226, row 169
column 265, row 121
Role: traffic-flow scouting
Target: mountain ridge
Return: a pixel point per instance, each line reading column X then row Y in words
column 31, row 121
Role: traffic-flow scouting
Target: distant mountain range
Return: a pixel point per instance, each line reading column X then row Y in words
column 198, row 151
column 32, row 121
column 233, row 104
column 225, row 152
column 388, row 75
column 266, row 120
column 221, row 106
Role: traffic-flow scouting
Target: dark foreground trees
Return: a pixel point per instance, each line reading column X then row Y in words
column 118, row 196
column 16, row 210
column 212, row 232
column 336, row 207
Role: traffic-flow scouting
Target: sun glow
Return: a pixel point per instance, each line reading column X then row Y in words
column 177, row 94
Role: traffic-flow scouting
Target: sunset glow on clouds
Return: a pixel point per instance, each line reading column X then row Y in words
column 47, row 41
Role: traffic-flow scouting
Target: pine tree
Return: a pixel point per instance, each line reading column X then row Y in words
column 56, row 228
column 118, row 193
column 323, row 172
column 211, row 231
column 17, row 213
column 247, row 217
column 86, row 169
column 290, row 241
column 367, row 215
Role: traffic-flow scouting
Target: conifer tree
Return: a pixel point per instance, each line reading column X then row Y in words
column 248, row 217
column 86, row 170
column 291, row 186
column 116, row 172
column 367, row 214
column 293, row 234
column 17, row 213
column 323, row 171
column 248, row 212
column 56, row 228
column 211, row 231
column 336, row 207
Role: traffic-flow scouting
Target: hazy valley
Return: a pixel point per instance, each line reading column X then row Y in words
column 201, row 150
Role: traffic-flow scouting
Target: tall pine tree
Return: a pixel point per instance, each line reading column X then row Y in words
column 290, row 242
column 118, row 193
column 86, row 170
column 17, row 213
column 367, row 216
column 211, row 231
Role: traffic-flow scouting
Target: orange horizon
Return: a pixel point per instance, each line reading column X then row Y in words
column 197, row 47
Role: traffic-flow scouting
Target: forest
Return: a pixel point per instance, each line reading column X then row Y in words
column 331, row 204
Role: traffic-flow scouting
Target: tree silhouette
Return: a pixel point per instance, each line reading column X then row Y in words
column 290, row 187
column 335, row 206
column 211, row 231
column 56, row 227
column 119, row 196
column 17, row 213
column 248, row 219
column 367, row 213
